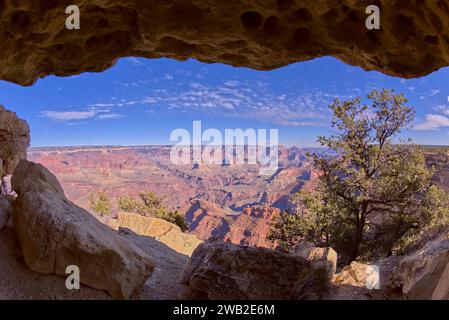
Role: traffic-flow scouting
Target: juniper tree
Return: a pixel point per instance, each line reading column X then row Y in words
column 100, row 203
column 375, row 196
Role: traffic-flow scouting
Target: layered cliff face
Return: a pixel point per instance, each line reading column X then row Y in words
column 233, row 203
column 257, row 34
column 249, row 227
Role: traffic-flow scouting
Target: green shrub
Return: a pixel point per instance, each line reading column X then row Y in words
column 100, row 203
column 149, row 204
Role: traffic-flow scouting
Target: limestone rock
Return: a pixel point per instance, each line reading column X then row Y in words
column 226, row 271
column 14, row 140
column 425, row 273
column 54, row 233
column 5, row 210
column 164, row 231
column 257, row 34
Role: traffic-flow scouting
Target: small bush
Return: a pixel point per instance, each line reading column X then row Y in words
column 100, row 203
column 150, row 204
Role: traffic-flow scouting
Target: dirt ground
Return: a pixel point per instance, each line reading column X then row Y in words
column 18, row 282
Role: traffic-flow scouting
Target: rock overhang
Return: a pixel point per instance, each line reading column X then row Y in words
column 413, row 39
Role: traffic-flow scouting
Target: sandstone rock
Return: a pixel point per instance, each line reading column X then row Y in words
column 226, row 271
column 257, row 34
column 358, row 275
column 14, row 140
column 164, row 231
column 54, row 233
column 322, row 259
column 425, row 273
column 5, row 210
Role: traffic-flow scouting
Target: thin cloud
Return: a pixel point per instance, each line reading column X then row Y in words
column 433, row 122
column 434, row 92
column 109, row 116
column 68, row 115
column 74, row 117
column 135, row 61
column 238, row 99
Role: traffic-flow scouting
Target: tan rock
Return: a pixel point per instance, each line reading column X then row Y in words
column 226, row 271
column 321, row 258
column 162, row 230
column 425, row 273
column 257, row 34
column 54, row 233
column 14, row 140
column 358, row 275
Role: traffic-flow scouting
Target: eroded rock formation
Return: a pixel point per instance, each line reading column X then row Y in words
column 413, row 39
column 53, row 233
column 425, row 273
column 163, row 231
column 14, row 140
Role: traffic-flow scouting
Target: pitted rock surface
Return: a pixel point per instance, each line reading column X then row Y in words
column 413, row 39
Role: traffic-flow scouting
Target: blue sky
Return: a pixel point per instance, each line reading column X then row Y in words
column 140, row 101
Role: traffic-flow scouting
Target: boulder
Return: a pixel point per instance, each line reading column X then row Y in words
column 162, row 230
column 220, row 270
column 14, row 141
column 54, row 233
column 424, row 274
column 359, row 275
column 324, row 265
column 321, row 259
column 5, row 209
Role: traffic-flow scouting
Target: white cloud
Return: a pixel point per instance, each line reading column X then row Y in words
column 244, row 99
column 433, row 122
column 442, row 108
column 74, row 117
column 101, row 105
column 109, row 116
column 429, row 94
column 135, row 61
column 69, row 115
column 289, row 123
column 434, row 92
column 231, row 83
column 240, row 99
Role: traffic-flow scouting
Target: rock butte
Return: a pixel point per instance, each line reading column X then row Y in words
column 413, row 40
